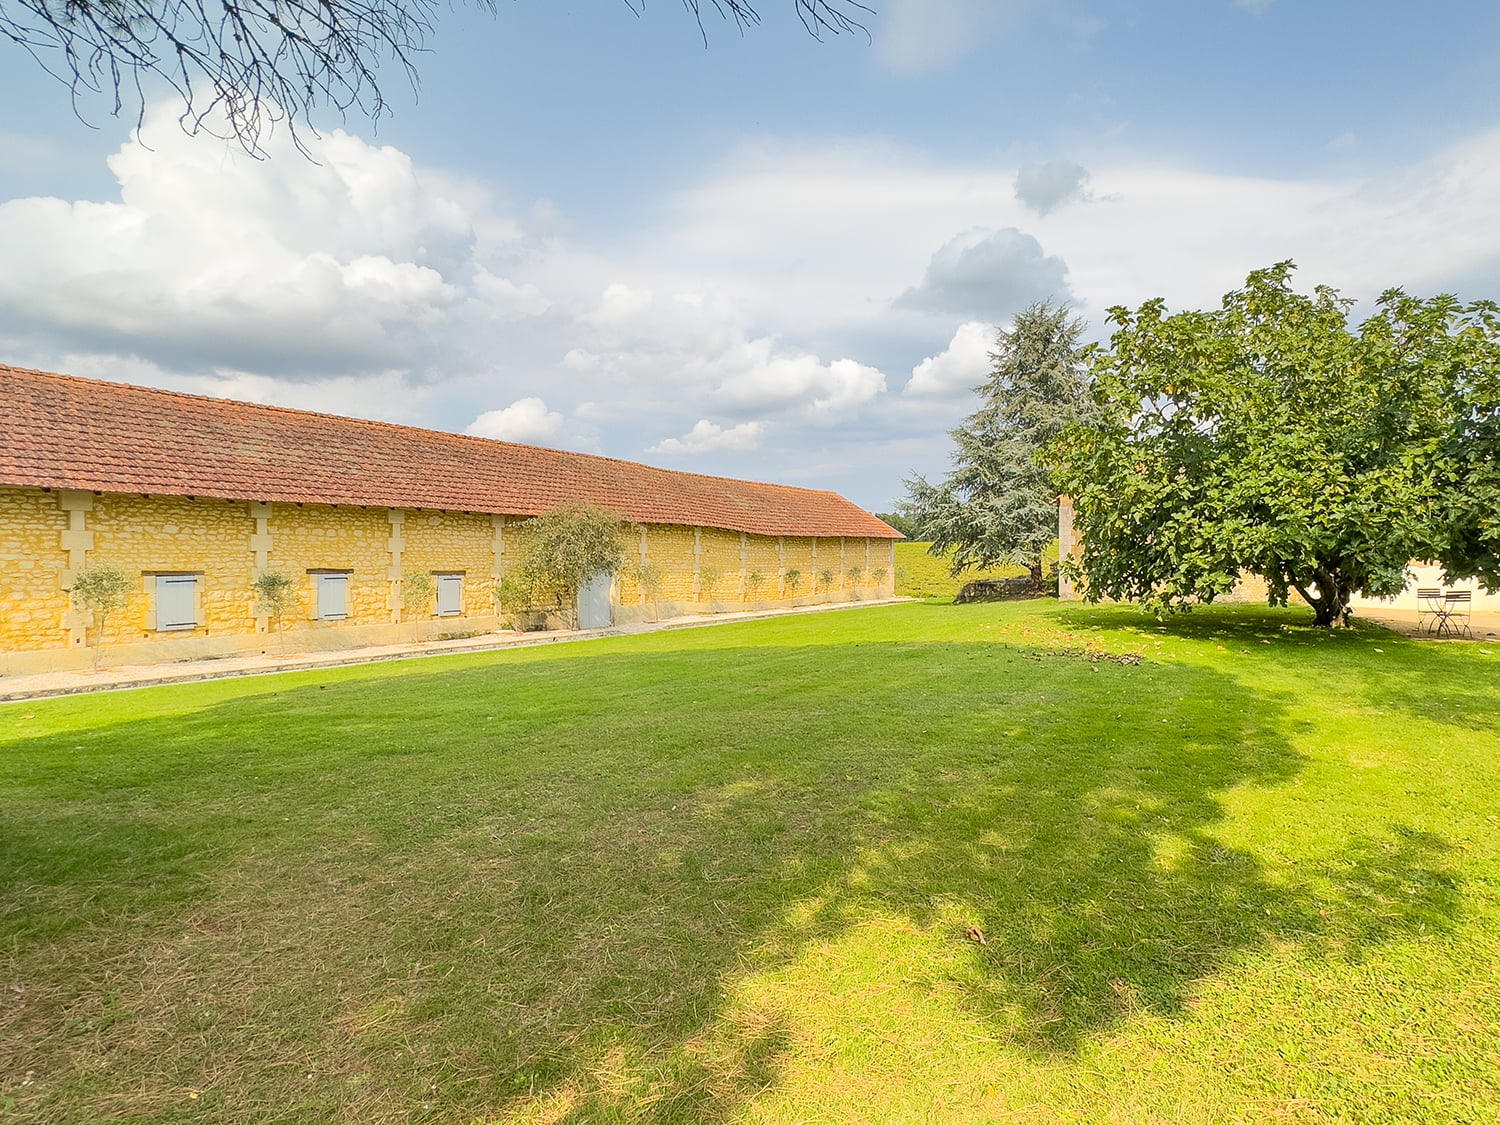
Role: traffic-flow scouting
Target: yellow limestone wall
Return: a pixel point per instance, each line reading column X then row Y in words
column 675, row 551
column 32, row 560
column 763, row 557
column 46, row 536
column 681, row 553
column 452, row 543
column 797, row 556
column 148, row 535
column 319, row 537
column 721, row 555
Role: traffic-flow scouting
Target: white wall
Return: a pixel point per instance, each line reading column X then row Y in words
column 1425, row 575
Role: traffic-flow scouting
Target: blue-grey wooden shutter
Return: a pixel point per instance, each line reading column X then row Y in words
column 176, row 601
column 449, row 594
column 333, row 596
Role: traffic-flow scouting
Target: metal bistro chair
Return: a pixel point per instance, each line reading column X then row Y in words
column 1455, row 619
column 1430, row 607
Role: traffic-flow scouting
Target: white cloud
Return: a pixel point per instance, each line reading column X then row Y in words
column 506, row 299
column 753, row 377
column 708, row 437
column 526, row 420
column 783, row 234
column 917, row 36
column 210, row 260
column 1044, row 188
column 620, row 305
column 1189, row 236
column 958, row 369
column 758, row 297
column 687, row 349
column 988, row 275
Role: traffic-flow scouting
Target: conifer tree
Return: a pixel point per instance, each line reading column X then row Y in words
column 997, row 507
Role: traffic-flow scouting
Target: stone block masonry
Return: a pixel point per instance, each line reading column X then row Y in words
column 46, row 536
column 34, row 569
column 196, row 497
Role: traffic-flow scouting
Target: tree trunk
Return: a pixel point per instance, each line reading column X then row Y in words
column 1330, row 606
column 1329, row 614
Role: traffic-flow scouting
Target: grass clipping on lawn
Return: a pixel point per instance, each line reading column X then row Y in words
column 1016, row 861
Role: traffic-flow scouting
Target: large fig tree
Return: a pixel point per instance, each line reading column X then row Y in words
column 1272, row 436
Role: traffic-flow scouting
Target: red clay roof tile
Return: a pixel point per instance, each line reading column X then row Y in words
column 60, row 431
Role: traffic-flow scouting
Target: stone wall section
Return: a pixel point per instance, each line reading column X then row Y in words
column 47, row 536
column 628, row 589
column 306, row 538
column 720, row 550
column 675, row 549
column 33, row 567
column 797, row 554
column 453, row 543
column 146, row 536
column 763, row 555
column 828, row 567
column 1068, row 547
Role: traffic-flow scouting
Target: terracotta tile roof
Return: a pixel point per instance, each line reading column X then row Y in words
column 59, row 431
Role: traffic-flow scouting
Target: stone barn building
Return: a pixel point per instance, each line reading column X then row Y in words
column 194, row 497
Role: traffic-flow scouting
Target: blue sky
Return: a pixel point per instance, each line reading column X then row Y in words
column 770, row 257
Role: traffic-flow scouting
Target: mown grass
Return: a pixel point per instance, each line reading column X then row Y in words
column 741, row 874
column 923, row 575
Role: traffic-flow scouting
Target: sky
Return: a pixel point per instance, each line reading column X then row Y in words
column 768, row 255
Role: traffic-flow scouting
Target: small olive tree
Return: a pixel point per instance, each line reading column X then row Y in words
column 856, row 576
column 563, row 549
column 708, row 578
column 275, row 593
column 648, row 579
column 417, row 594
column 515, row 594
column 790, row 580
column 100, row 589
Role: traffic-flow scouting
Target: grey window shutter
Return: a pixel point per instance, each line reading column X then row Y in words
column 333, row 596
column 449, row 595
column 176, row 601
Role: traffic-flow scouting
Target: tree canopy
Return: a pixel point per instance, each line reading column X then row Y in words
column 562, row 550
column 251, row 63
column 1270, row 436
column 998, row 506
column 899, row 521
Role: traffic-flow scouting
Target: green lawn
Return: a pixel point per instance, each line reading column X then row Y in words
column 730, row 875
column 921, row 575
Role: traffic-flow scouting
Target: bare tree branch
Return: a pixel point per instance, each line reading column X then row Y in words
column 252, row 63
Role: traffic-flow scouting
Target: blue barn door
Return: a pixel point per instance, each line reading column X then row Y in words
column 594, row 611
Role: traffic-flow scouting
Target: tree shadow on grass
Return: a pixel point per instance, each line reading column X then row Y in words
column 1246, row 624
column 1447, row 684
column 524, row 891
